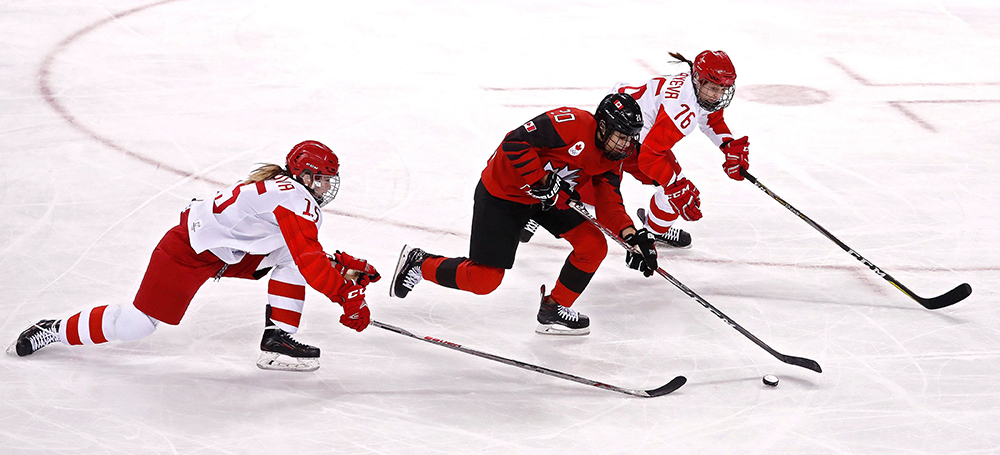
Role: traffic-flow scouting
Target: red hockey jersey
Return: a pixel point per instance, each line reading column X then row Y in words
column 559, row 141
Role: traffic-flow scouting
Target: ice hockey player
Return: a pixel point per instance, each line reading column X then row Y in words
column 672, row 106
column 534, row 165
column 267, row 223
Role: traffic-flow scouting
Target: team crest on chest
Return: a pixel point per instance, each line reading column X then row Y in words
column 577, row 149
column 567, row 175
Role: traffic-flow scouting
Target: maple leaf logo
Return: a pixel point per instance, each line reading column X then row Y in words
column 565, row 173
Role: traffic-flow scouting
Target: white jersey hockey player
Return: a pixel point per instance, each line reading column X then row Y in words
column 269, row 222
column 673, row 107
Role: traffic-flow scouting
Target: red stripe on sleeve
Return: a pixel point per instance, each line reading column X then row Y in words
column 282, row 289
column 285, row 316
column 73, row 330
column 96, row 325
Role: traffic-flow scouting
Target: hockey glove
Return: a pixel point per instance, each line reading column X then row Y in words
column 344, row 262
column 737, row 157
column 646, row 261
column 356, row 313
column 547, row 193
column 685, row 199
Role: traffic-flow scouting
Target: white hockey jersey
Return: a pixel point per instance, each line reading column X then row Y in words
column 241, row 219
column 670, row 111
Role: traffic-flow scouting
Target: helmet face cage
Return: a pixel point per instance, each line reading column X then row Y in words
column 714, row 67
column 709, row 105
column 321, row 181
column 619, row 121
column 617, row 145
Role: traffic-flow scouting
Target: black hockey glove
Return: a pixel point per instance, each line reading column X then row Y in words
column 547, row 193
column 645, row 262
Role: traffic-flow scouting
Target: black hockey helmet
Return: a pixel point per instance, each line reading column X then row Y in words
column 620, row 114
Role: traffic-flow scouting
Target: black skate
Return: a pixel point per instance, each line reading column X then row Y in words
column 407, row 273
column 674, row 238
column 528, row 231
column 39, row 335
column 555, row 319
column 279, row 351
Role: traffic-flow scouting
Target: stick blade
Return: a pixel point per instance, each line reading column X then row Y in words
column 947, row 299
column 669, row 387
column 808, row 364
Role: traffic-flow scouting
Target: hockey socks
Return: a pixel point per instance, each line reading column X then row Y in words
column 461, row 273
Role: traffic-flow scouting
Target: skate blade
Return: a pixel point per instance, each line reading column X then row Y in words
column 399, row 266
column 672, row 247
column 281, row 362
column 556, row 329
column 11, row 350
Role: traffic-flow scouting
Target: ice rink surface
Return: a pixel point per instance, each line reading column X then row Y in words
column 877, row 119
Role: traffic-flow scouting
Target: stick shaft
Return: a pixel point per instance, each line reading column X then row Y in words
column 792, row 360
column 676, row 383
column 950, row 298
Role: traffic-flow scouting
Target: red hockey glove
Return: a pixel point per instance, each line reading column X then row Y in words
column 344, row 262
column 685, row 199
column 356, row 313
column 737, row 157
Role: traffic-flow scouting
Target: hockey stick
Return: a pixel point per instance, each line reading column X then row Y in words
column 791, row 360
column 949, row 298
column 671, row 386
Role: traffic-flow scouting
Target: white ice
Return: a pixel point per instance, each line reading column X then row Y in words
column 877, row 119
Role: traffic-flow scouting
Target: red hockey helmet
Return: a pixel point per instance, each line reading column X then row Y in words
column 320, row 164
column 714, row 67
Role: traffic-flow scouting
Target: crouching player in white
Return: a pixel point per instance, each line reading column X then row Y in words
column 269, row 222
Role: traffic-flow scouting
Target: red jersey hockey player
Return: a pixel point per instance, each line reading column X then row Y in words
column 269, row 222
column 552, row 153
column 672, row 107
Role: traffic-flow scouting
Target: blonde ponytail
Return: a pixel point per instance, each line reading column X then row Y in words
column 265, row 172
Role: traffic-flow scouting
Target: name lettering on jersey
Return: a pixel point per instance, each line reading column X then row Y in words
column 530, row 126
column 673, row 90
column 577, row 148
column 284, row 183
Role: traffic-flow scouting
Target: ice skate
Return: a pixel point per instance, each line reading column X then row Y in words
column 528, row 231
column 555, row 319
column 39, row 335
column 407, row 273
column 674, row 237
column 279, row 351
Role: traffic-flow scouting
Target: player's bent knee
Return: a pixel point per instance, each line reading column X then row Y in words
column 487, row 280
column 134, row 325
column 589, row 247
